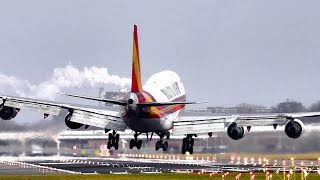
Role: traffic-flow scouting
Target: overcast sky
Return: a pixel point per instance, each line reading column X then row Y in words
column 226, row 52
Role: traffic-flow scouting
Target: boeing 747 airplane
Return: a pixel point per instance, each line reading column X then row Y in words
column 154, row 108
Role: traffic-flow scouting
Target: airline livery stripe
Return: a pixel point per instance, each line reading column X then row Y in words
column 160, row 111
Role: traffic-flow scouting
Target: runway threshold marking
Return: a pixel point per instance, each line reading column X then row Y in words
column 151, row 172
column 125, row 172
column 30, row 165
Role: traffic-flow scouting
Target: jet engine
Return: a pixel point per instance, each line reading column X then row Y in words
column 294, row 128
column 235, row 132
column 7, row 113
column 70, row 124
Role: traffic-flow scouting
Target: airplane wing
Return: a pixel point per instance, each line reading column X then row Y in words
column 204, row 124
column 87, row 115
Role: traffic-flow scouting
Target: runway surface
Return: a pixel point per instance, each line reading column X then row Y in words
column 125, row 164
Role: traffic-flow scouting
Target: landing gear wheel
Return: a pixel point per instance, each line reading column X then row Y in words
column 158, row 145
column 139, row 144
column 191, row 142
column 168, row 135
column 132, row 143
column 113, row 140
column 187, row 143
column 183, row 150
column 165, row 146
column 191, row 150
column 116, row 145
column 135, row 142
column 109, row 145
column 184, row 141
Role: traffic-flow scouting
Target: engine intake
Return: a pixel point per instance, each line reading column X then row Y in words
column 294, row 128
column 7, row 113
column 70, row 124
column 235, row 132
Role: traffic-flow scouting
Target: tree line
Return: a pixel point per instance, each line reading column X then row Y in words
column 288, row 106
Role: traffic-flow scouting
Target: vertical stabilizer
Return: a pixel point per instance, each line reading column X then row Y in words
column 136, row 73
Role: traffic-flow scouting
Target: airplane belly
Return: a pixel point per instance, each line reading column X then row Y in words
column 148, row 124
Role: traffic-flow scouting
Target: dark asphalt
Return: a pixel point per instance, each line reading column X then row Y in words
column 74, row 165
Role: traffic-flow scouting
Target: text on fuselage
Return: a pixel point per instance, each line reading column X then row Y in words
column 171, row 91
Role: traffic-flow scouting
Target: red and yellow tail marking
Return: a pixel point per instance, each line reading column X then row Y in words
column 158, row 111
column 136, row 73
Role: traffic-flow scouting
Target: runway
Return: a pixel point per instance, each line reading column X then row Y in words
column 133, row 165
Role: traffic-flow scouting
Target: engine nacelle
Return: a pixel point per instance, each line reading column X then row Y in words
column 7, row 113
column 294, row 128
column 235, row 132
column 70, row 124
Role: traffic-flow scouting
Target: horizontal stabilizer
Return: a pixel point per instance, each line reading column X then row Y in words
column 149, row 104
column 111, row 101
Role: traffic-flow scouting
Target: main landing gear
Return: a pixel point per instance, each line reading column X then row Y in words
column 160, row 143
column 113, row 140
column 187, row 143
column 135, row 142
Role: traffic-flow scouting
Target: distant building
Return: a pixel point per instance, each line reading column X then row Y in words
column 223, row 110
column 115, row 95
column 240, row 109
column 201, row 110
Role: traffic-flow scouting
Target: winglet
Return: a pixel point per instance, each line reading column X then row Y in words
column 136, row 73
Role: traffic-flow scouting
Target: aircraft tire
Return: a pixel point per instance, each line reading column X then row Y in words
column 139, row 144
column 183, row 149
column 158, row 145
column 117, row 137
column 110, row 137
column 191, row 150
column 184, row 141
column 165, row 146
column 191, row 142
column 168, row 135
column 109, row 145
column 116, row 145
column 132, row 143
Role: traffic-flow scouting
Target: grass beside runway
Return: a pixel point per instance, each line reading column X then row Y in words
column 244, row 176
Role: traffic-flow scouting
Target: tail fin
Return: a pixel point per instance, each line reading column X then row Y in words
column 136, row 73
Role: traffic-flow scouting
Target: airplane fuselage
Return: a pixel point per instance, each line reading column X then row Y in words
column 161, row 87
